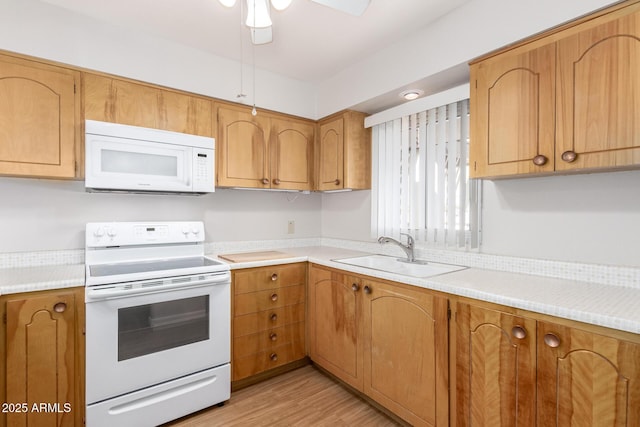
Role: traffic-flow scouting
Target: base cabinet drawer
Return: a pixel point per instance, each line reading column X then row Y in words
column 244, row 367
column 268, row 339
column 268, row 319
column 265, row 300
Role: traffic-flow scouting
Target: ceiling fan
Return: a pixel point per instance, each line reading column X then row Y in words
column 259, row 18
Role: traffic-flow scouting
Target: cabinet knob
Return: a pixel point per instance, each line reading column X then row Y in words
column 273, row 357
column 274, row 277
column 60, row 307
column 273, row 317
column 355, row 287
column 552, row 340
column 336, row 182
column 276, row 181
column 519, row 332
column 367, row 290
column 274, row 297
column 273, row 336
column 265, row 181
column 540, row 160
column 569, row 156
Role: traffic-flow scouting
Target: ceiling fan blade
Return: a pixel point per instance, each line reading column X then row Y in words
column 261, row 35
column 352, row 7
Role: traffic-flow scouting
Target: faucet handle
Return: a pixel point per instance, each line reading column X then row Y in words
column 409, row 239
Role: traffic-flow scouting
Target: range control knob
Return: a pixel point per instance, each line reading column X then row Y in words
column 185, row 231
column 111, row 232
column 195, row 231
column 98, row 232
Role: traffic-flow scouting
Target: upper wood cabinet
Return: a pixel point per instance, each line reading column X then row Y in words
column 263, row 151
column 344, row 153
column 122, row 101
column 39, row 119
column 564, row 102
column 44, row 357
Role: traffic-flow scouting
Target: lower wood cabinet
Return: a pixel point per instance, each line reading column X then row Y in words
column 384, row 339
column 42, row 380
column 268, row 318
column 516, row 371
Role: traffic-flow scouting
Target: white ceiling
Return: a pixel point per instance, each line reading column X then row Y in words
column 311, row 42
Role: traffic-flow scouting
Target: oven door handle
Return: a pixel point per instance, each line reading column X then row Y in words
column 97, row 293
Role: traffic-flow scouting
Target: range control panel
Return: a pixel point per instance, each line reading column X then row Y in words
column 104, row 234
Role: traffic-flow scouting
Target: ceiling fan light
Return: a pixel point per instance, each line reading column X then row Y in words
column 280, row 4
column 258, row 14
column 227, row 3
column 261, row 35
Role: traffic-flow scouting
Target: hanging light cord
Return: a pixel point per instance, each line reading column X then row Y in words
column 241, row 94
column 253, row 60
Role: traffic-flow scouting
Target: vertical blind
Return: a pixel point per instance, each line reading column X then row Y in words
column 420, row 178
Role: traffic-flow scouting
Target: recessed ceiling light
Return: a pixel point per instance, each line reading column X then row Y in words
column 411, row 94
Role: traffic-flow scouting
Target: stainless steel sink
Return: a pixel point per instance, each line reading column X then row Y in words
column 394, row 265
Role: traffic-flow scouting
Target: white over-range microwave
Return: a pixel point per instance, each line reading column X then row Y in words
column 126, row 158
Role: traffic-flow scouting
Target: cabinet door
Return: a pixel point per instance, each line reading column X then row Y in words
column 242, row 150
column 598, row 93
column 41, row 359
column 119, row 101
column 39, row 115
column 291, row 147
column 496, row 368
column 335, row 325
column 331, row 155
column 512, row 113
column 585, row 379
column 406, row 365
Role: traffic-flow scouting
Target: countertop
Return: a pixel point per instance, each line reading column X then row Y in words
column 604, row 305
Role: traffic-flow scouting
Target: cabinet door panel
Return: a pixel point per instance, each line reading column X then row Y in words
column 496, row 371
column 331, row 156
column 513, row 113
column 406, row 353
column 41, row 358
column 587, row 380
column 334, row 325
column 598, row 98
column 38, row 113
column 129, row 103
column 291, row 154
column 242, row 149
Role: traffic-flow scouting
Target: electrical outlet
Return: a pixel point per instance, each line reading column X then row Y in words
column 291, row 227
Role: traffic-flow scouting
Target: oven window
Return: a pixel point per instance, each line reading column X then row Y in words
column 150, row 328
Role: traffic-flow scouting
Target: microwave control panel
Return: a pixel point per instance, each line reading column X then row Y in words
column 203, row 170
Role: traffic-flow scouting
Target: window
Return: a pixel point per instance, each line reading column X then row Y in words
column 420, row 178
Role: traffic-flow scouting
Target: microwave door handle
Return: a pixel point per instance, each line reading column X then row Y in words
column 96, row 293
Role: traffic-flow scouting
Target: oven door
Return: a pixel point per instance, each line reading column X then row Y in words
column 145, row 333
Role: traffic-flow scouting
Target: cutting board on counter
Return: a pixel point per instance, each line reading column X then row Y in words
column 254, row 256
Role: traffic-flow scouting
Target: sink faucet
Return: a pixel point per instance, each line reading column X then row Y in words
column 408, row 248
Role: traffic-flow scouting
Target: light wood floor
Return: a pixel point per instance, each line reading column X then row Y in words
column 304, row 397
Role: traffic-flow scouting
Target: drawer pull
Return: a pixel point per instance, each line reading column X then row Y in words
column 552, row 340
column 60, row 307
column 336, row 182
column 274, row 297
column 273, row 317
column 367, row 290
column 355, row 287
column 519, row 332
column 273, row 357
column 274, row 277
column 273, row 336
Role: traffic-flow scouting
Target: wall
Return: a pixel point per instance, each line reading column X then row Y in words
column 591, row 218
column 51, row 215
